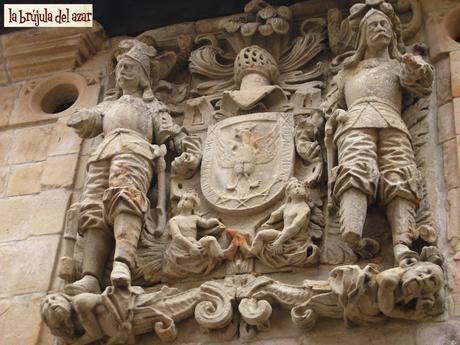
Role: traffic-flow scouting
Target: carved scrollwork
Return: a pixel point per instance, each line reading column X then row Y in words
column 256, row 312
column 215, row 308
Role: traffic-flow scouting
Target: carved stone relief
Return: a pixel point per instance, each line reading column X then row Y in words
column 275, row 156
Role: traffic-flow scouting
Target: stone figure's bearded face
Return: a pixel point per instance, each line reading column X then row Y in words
column 128, row 73
column 378, row 30
column 422, row 279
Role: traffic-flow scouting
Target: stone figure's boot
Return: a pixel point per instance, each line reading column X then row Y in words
column 120, row 275
column 353, row 211
column 96, row 251
column 127, row 229
column 401, row 216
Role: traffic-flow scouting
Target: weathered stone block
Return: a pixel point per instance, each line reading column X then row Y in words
column 441, row 32
column 6, row 141
column 451, row 167
column 455, row 72
column 439, row 333
column 4, row 79
column 25, row 179
column 27, row 265
column 59, row 172
column 6, row 105
column 63, row 139
column 456, row 115
column 30, row 144
column 10, row 91
column 378, row 335
column 80, row 175
column 20, row 320
column 3, row 180
column 430, row 5
column 42, row 213
column 453, row 207
column 446, row 128
column 7, row 97
column 27, row 59
column 443, row 82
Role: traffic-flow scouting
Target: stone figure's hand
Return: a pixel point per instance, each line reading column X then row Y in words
column 77, row 119
column 408, row 261
column 276, row 247
column 308, row 150
column 338, row 116
column 414, row 63
column 196, row 249
column 218, row 223
column 423, row 305
column 267, row 225
column 159, row 151
column 80, row 116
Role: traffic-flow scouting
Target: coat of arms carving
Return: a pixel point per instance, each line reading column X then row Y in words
column 247, row 162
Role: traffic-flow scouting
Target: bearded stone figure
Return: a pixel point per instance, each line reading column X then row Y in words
column 114, row 203
column 374, row 147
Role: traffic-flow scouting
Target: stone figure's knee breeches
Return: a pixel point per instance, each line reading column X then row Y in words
column 399, row 176
column 375, row 161
column 357, row 162
column 115, row 186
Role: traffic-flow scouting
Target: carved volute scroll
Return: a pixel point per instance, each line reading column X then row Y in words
column 257, row 151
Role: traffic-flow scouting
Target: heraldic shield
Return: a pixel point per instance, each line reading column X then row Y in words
column 247, row 162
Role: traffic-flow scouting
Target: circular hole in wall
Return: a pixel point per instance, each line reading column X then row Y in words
column 453, row 25
column 59, row 98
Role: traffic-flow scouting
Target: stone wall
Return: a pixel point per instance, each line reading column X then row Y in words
column 45, row 74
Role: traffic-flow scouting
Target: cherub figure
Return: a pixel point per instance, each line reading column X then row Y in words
column 186, row 254
column 292, row 245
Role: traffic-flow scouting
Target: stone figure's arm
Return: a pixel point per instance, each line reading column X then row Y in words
column 176, row 234
column 335, row 97
column 85, row 307
column 166, row 129
column 209, row 223
column 275, row 217
column 300, row 221
column 87, row 123
column 416, row 75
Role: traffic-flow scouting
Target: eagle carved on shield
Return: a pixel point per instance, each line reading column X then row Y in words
column 247, row 161
column 248, row 149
